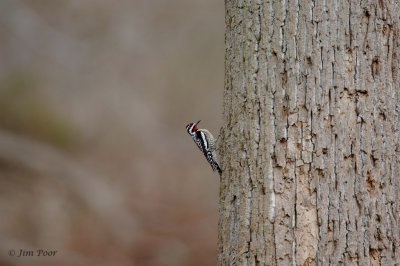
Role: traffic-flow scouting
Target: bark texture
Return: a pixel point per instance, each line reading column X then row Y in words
column 310, row 146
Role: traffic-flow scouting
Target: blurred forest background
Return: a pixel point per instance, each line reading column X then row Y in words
column 95, row 161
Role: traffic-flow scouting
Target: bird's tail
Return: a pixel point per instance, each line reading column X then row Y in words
column 219, row 170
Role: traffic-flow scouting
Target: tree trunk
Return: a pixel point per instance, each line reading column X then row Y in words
column 310, row 146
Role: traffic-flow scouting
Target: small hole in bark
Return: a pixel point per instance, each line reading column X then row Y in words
column 382, row 115
column 233, row 199
column 320, row 171
column 374, row 253
column 366, row 13
column 363, row 92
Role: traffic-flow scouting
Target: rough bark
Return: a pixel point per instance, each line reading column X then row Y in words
column 310, row 146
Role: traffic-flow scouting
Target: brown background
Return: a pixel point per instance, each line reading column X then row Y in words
column 94, row 158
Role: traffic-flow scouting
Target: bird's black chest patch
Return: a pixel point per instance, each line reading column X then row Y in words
column 201, row 141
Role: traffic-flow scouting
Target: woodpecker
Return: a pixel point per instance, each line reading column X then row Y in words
column 206, row 143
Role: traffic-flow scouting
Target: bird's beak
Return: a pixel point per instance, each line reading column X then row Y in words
column 197, row 123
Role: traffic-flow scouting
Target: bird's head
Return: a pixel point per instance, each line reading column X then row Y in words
column 191, row 128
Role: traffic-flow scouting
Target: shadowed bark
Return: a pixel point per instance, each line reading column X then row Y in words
column 310, row 145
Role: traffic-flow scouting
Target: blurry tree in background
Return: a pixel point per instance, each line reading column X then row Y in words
column 95, row 161
column 310, row 147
